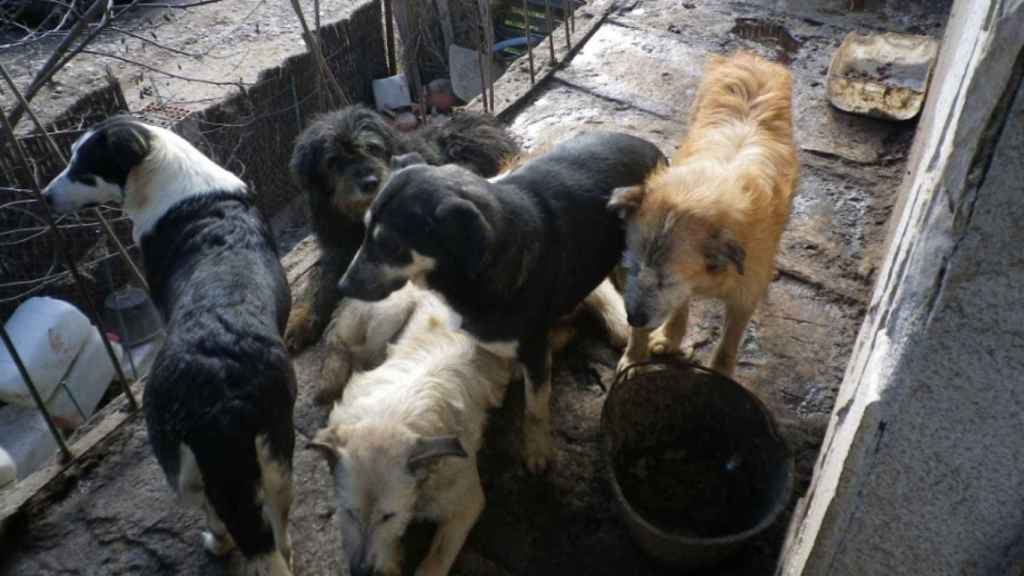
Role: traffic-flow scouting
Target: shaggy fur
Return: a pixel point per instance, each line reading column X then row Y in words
column 512, row 255
column 709, row 226
column 342, row 159
column 218, row 401
column 402, row 444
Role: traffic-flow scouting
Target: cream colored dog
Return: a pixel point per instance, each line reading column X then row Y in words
column 402, row 444
column 709, row 225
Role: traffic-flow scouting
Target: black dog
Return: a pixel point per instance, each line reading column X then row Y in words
column 509, row 256
column 219, row 397
column 341, row 161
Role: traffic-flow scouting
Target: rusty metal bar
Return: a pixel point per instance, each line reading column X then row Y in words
column 64, row 450
column 550, row 29
column 488, row 28
column 389, row 39
column 572, row 13
column 58, row 241
column 568, row 33
column 529, row 38
column 107, row 228
column 483, row 73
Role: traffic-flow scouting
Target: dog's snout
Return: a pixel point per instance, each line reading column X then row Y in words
column 369, row 183
column 637, row 317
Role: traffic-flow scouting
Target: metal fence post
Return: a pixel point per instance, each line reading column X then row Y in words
column 529, row 38
column 64, row 450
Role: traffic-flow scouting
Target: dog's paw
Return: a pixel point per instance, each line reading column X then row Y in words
column 661, row 345
column 538, row 447
column 299, row 332
column 289, row 558
column 625, row 362
column 430, row 567
column 217, row 545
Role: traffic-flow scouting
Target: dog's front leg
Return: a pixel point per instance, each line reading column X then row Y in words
column 338, row 361
column 736, row 318
column 636, row 349
column 535, row 355
column 216, row 539
column 669, row 337
column 452, row 531
column 311, row 311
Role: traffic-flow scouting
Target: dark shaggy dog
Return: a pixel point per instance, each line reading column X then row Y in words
column 510, row 256
column 219, row 398
column 341, row 161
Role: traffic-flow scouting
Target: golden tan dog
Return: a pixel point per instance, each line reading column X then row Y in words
column 709, row 225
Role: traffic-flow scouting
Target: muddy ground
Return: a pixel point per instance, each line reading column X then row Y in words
column 637, row 73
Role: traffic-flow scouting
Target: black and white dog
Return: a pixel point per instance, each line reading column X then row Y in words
column 219, row 398
column 510, row 255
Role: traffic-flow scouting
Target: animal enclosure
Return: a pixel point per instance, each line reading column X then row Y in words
column 620, row 66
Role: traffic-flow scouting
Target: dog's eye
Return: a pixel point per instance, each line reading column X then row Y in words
column 387, row 517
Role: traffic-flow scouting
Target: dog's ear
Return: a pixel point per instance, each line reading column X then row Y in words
column 407, row 159
column 128, row 145
column 722, row 248
column 428, row 450
column 328, row 442
column 464, row 232
column 306, row 158
column 626, row 200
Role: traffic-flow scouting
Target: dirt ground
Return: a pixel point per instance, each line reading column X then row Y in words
column 638, row 73
column 184, row 58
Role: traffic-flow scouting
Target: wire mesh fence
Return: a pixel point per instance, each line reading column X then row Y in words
column 251, row 133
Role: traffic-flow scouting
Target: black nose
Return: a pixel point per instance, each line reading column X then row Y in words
column 369, row 183
column 638, row 317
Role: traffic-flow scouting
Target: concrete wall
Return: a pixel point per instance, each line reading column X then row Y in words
column 922, row 470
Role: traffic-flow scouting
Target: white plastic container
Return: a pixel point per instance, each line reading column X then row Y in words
column 25, row 437
column 48, row 334
column 8, row 469
column 89, row 377
column 391, row 93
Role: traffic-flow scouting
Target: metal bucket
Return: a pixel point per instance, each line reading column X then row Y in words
column 132, row 315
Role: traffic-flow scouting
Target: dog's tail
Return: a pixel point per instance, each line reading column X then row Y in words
column 606, row 303
column 479, row 142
